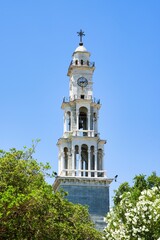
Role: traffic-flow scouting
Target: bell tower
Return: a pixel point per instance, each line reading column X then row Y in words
column 81, row 151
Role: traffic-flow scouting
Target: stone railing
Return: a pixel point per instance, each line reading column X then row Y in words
column 80, row 133
column 82, row 63
column 83, row 173
column 75, row 97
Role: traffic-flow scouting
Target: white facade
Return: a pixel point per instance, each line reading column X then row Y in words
column 81, row 151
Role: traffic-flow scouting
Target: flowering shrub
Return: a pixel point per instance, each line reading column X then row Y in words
column 135, row 220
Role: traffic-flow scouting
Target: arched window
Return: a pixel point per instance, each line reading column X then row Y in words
column 76, row 160
column 76, row 62
column 92, row 161
column 84, row 160
column 94, row 121
column 83, row 123
column 94, row 117
column 66, row 159
column 99, row 161
column 68, row 121
column 81, row 62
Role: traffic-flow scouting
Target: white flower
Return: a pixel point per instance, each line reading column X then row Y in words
column 130, row 220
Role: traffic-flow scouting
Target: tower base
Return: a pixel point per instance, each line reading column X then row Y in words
column 93, row 192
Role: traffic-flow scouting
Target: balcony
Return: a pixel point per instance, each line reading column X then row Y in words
column 82, row 63
column 81, row 133
column 83, row 173
column 75, row 97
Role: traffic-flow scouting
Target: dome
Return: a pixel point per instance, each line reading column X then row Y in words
column 81, row 49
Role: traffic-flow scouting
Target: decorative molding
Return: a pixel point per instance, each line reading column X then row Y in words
column 85, row 181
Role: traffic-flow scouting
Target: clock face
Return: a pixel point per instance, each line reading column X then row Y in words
column 82, row 82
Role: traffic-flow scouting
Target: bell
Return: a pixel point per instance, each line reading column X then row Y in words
column 81, row 124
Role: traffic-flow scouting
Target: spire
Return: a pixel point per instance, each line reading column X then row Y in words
column 81, row 34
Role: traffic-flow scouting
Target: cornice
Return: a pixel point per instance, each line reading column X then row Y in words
column 81, row 181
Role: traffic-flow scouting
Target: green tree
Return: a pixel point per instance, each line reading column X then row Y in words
column 136, row 213
column 29, row 210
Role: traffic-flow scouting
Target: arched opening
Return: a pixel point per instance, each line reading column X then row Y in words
column 83, row 122
column 92, row 161
column 68, row 121
column 76, row 62
column 66, row 160
column 76, row 160
column 81, row 62
column 99, row 162
column 84, row 160
column 95, row 121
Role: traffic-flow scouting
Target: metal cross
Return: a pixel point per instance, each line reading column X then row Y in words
column 81, row 34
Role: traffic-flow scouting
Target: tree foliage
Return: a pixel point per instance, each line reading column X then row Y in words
column 136, row 214
column 29, row 210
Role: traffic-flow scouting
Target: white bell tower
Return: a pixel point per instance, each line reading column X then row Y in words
column 81, row 151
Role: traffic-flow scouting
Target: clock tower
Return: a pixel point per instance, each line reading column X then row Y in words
column 81, row 150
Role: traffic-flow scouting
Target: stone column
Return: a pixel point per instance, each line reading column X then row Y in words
column 62, row 164
column 97, row 121
column 79, row 167
column 95, row 156
column 64, row 121
column 71, row 121
column 103, row 159
column 77, row 116
column 73, row 160
column 103, row 154
column 89, row 123
column 89, row 162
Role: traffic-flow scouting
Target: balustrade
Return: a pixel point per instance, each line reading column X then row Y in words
column 83, row 173
column 80, row 133
column 82, row 63
column 75, row 97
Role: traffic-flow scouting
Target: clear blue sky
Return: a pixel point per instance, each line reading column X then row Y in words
column 37, row 39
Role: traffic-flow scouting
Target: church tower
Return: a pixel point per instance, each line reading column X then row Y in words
column 81, row 151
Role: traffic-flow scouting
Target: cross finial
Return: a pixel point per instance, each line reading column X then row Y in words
column 81, row 34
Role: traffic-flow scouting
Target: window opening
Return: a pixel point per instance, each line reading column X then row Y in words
column 66, row 160
column 76, row 160
column 82, row 96
column 83, row 120
column 92, row 161
column 84, row 160
column 68, row 121
column 99, row 163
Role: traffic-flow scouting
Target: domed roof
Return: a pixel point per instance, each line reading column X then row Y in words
column 81, row 48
